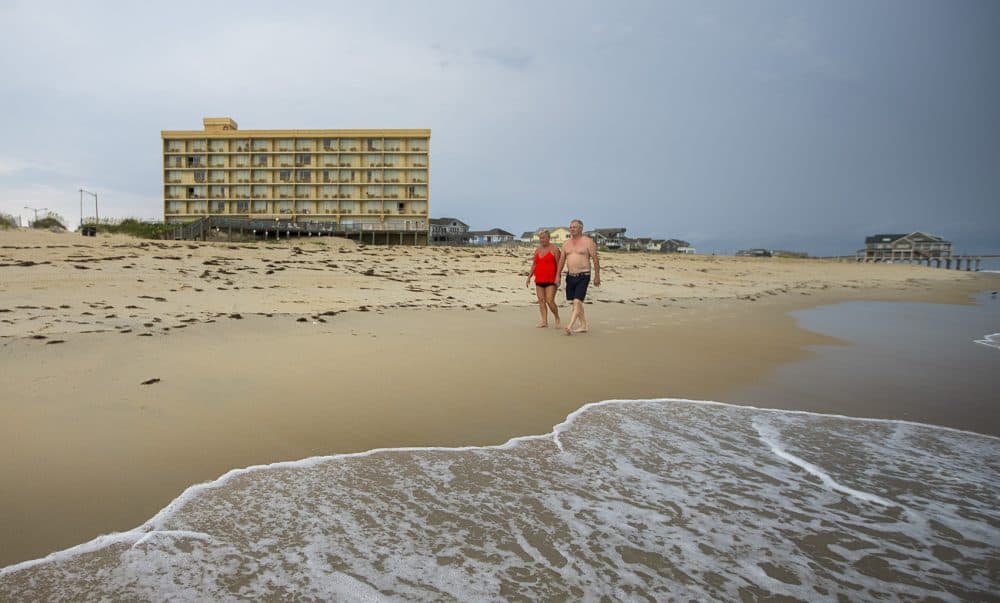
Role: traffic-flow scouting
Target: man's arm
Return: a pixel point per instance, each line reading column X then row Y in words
column 597, row 263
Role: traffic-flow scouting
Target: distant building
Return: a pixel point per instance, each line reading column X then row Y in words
column 448, row 230
column 754, row 253
column 612, row 238
column 654, row 245
column 674, row 245
column 914, row 246
column 489, row 237
column 557, row 234
column 356, row 179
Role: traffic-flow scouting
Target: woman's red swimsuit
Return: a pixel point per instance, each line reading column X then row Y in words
column 545, row 270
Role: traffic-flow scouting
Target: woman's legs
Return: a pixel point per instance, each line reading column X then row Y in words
column 540, row 294
column 550, row 301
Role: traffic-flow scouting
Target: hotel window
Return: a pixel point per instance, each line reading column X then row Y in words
column 261, row 145
column 284, row 207
column 261, row 192
column 372, row 161
column 241, row 176
column 195, row 161
column 329, row 207
column 177, row 161
column 285, row 145
column 303, row 159
column 196, row 192
column 217, row 192
column 348, row 192
column 175, row 207
column 303, row 176
column 392, row 145
column 348, row 207
column 285, row 175
column 303, row 207
column 329, row 144
column 284, row 192
column 328, row 192
column 393, row 160
column 349, row 145
column 392, row 192
column 243, row 206
column 417, row 145
column 241, row 192
column 260, row 160
column 304, row 144
column 175, row 146
column 373, row 207
column 219, row 206
column 328, row 160
column 261, row 176
column 217, row 176
column 260, row 207
column 348, row 161
column 241, row 146
column 174, row 192
column 373, row 144
column 173, row 176
column 217, row 146
column 199, row 175
column 217, row 161
column 419, row 176
column 285, row 160
column 198, row 146
column 391, row 177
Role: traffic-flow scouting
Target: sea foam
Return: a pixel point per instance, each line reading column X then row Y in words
column 624, row 499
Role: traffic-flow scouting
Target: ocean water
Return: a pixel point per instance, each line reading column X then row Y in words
column 937, row 363
column 631, row 500
column 990, row 265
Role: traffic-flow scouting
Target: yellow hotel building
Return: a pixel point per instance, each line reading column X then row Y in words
column 357, row 179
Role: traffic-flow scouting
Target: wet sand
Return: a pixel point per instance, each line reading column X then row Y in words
column 385, row 348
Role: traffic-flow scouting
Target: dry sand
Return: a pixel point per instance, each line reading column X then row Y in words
column 278, row 351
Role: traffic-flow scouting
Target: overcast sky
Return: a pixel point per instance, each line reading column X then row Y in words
column 786, row 125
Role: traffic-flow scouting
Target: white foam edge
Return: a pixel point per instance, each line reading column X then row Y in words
column 148, row 529
column 992, row 340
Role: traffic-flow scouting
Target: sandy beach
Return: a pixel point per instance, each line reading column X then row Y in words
column 133, row 369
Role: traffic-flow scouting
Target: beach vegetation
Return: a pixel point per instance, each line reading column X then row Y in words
column 137, row 228
column 7, row 221
column 52, row 221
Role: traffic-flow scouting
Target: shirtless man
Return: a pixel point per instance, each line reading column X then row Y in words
column 579, row 251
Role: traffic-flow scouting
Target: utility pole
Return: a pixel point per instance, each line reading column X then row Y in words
column 96, row 217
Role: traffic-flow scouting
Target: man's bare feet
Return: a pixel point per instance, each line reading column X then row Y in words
column 568, row 331
column 542, row 325
column 558, row 325
column 580, row 330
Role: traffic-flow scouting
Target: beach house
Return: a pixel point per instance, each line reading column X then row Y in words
column 493, row 236
column 914, row 246
column 374, row 180
column 611, row 238
column 557, row 234
column 448, row 230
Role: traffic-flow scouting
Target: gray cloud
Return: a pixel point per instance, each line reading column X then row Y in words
column 779, row 125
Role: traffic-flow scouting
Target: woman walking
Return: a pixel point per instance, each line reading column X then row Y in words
column 543, row 267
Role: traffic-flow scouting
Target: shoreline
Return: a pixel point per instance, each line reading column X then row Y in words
column 258, row 390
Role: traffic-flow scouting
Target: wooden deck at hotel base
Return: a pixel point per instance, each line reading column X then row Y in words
column 372, row 233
